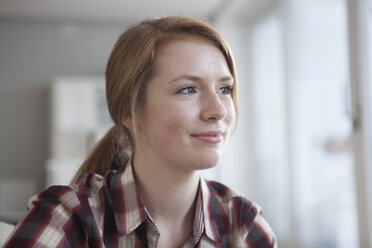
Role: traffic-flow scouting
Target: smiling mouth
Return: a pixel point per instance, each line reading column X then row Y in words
column 209, row 137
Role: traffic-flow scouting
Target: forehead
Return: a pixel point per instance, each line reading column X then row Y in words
column 169, row 40
column 189, row 53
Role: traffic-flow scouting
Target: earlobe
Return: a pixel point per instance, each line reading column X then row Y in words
column 127, row 122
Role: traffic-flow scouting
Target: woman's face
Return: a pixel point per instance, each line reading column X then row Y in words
column 188, row 112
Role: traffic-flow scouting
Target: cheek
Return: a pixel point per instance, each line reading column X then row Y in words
column 172, row 120
column 230, row 115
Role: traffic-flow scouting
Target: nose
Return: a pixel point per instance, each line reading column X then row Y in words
column 213, row 108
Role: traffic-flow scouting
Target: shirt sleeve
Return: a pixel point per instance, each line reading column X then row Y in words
column 260, row 234
column 48, row 223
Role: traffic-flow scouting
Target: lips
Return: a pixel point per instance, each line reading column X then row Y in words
column 213, row 137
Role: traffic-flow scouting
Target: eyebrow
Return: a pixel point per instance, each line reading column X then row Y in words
column 196, row 78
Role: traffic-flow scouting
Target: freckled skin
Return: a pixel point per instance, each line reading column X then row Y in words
column 172, row 116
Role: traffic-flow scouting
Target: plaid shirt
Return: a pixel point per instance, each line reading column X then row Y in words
column 108, row 212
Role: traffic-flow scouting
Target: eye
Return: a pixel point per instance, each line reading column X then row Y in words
column 225, row 90
column 187, row 90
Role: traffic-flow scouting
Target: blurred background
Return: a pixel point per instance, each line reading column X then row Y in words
column 302, row 148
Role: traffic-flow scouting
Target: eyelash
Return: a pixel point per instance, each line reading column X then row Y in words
column 182, row 91
column 228, row 88
column 192, row 90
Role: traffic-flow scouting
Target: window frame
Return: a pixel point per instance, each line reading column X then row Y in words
column 360, row 95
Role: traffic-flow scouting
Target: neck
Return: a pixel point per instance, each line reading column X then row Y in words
column 167, row 192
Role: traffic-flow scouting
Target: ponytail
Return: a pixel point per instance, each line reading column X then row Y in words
column 112, row 152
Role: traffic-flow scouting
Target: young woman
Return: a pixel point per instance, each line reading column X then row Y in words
column 171, row 91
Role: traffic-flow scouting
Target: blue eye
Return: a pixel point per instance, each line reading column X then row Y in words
column 187, row 90
column 225, row 90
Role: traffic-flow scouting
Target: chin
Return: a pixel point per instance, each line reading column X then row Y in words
column 207, row 161
column 206, row 167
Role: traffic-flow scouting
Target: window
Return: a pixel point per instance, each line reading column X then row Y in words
column 302, row 124
column 307, row 107
column 269, row 128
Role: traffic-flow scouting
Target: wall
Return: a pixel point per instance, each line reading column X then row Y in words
column 31, row 55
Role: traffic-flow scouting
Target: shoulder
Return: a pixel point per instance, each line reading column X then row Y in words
column 58, row 216
column 66, row 201
column 48, row 215
column 243, row 217
column 70, row 196
column 233, row 202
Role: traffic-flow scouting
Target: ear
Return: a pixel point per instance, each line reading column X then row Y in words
column 127, row 122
